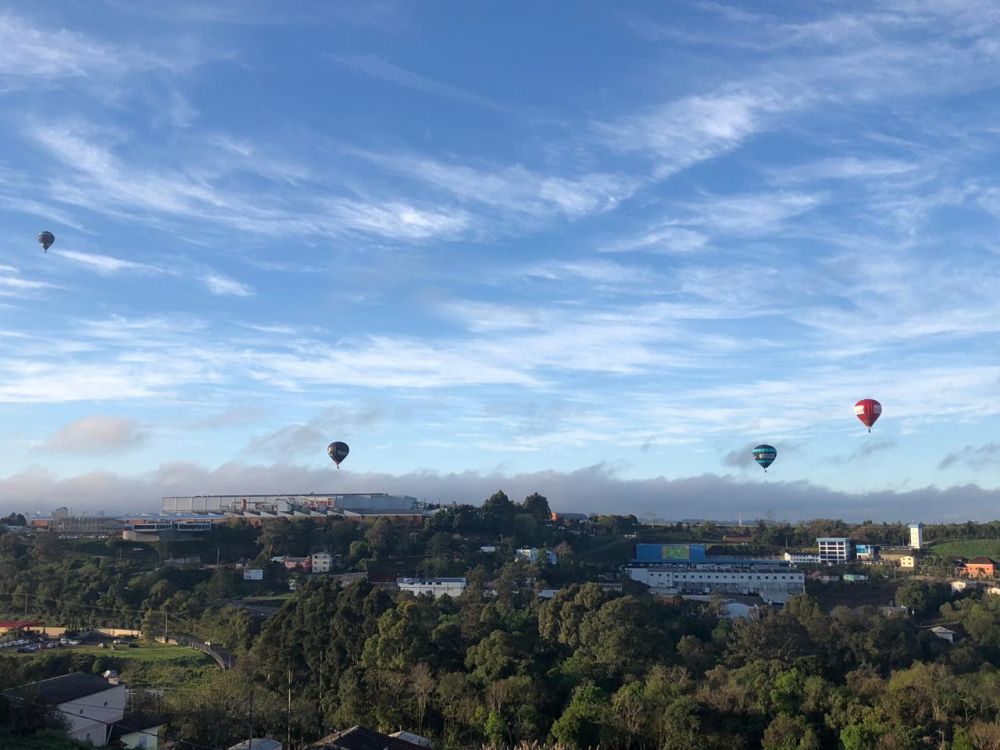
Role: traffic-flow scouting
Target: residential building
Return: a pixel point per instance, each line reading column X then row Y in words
column 944, row 633
column 321, row 562
column 257, row 743
column 298, row 563
column 834, row 549
column 917, row 535
column 534, row 554
column 981, row 567
column 569, row 517
column 908, row 561
column 139, row 732
column 89, row 704
column 436, row 586
column 415, row 739
column 960, row 587
column 801, row 558
column 360, row 738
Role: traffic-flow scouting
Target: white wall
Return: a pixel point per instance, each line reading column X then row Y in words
column 86, row 715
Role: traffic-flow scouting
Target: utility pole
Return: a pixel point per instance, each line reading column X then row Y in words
column 25, row 605
column 288, row 716
column 250, row 738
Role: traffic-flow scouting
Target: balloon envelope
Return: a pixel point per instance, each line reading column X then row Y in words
column 45, row 239
column 338, row 452
column 765, row 455
column 868, row 410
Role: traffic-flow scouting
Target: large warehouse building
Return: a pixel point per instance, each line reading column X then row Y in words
column 687, row 569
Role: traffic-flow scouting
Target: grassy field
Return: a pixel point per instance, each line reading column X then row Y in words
column 150, row 665
column 968, row 548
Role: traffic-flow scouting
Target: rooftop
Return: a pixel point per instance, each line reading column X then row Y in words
column 68, row 687
column 359, row 738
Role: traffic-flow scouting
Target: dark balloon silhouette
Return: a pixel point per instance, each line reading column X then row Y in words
column 338, row 452
column 765, row 455
column 45, row 239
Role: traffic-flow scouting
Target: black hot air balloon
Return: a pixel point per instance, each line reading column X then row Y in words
column 45, row 239
column 337, row 451
column 765, row 455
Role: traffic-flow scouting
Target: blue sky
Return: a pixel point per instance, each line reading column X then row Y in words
column 489, row 244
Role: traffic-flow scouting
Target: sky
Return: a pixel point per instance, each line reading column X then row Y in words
column 600, row 250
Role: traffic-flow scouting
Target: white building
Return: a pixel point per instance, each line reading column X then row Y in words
column 321, row 562
column 835, row 549
column 917, row 535
column 436, row 586
column 770, row 582
column 801, row 557
column 908, row 561
column 87, row 703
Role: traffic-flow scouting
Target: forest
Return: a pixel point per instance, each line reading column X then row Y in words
column 595, row 665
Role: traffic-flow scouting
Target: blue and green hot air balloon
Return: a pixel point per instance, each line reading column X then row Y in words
column 765, row 455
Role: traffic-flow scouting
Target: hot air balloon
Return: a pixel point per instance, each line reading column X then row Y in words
column 45, row 239
column 868, row 410
column 765, row 455
column 338, row 452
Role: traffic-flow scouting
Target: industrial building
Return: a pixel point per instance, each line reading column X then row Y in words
column 801, row 558
column 436, row 586
column 289, row 505
column 835, row 549
column 687, row 569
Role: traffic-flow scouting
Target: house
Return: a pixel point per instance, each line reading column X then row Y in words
column 565, row 518
column 416, row 739
column 959, row 587
column 944, row 633
column 88, row 703
column 257, row 743
column 534, row 554
column 359, row 738
column 321, row 562
column 908, row 561
column 138, row 732
column 980, row 567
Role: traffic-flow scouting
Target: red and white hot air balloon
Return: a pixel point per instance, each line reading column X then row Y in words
column 868, row 410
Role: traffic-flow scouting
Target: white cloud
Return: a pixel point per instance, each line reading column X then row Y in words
column 224, row 286
column 585, row 490
column 375, row 66
column 684, row 132
column 98, row 434
column 93, row 176
column 48, row 53
column 105, row 264
column 515, row 190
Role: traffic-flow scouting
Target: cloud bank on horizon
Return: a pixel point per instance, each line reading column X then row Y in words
column 480, row 245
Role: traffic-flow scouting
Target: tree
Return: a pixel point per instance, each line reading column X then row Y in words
column 789, row 733
column 586, row 722
column 538, row 506
column 498, row 513
column 381, row 537
column 422, row 686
